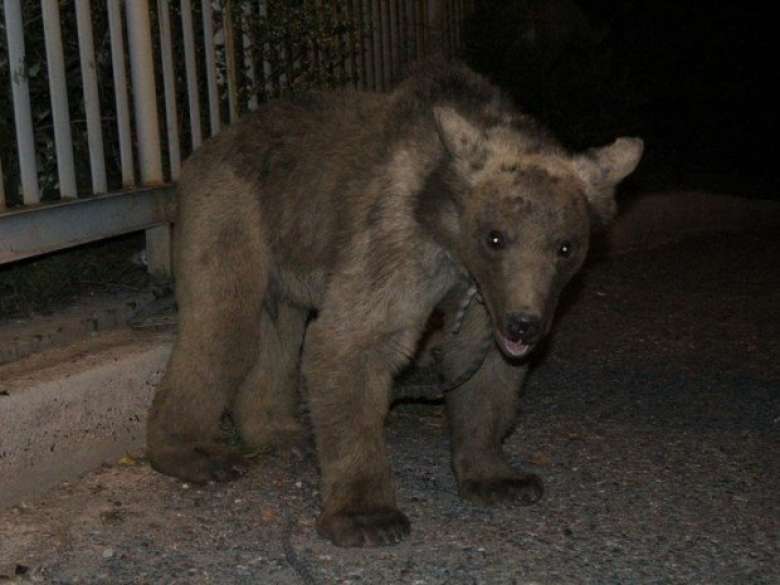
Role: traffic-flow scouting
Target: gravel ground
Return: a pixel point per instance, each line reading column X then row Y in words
column 653, row 417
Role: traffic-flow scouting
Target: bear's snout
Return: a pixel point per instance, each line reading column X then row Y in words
column 523, row 327
column 521, row 332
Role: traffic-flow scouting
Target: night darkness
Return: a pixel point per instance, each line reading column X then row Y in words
column 693, row 79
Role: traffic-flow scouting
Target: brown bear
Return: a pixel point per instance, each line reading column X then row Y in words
column 345, row 219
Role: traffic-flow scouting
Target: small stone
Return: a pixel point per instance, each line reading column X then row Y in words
column 108, row 553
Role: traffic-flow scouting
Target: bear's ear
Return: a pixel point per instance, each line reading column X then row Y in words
column 463, row 140
column 601, row 169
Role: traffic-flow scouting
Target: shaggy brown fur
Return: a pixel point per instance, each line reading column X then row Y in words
column 370, row 210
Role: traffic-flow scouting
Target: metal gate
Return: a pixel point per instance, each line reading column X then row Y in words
column 105, row 101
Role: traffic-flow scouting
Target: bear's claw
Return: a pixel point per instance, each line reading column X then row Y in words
column 522, row 489
column 381, row 527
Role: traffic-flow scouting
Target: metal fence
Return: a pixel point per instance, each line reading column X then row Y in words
column 148, row 79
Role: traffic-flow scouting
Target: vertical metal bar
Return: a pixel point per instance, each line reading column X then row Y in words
column 387, row 57
column 58, row 91
column 292, row 56
column 267, row 72
column 120, row 92
column 352, row 61
column 339, row 11
column 326, row 22
column 451, row 25
column 294, row 49
column 328, row 25
column 414, row 29
column 445, row 26
column 399, row 37
column 403, row 32
column 188, row 38
column 422, row 29
column 284, row 64
column 403, row 24
column 335, row 50
column 2, row 187
column 433, row 27
column 17, row 66
column 169, row 85
column 376, row 33
column 444, row 41
column 321, row 49
column 211, row 66
column 345, row 71
column 230, row 60
column 414, row 52
column 366, row 44
column 392, row 38
column 139, row 36
column 461, row 20
column 315, row 53
column 360, row 44
column 456, row 22
column 248, row 42
column 97, row 160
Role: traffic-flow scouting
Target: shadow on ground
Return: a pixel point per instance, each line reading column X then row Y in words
column 654, row 419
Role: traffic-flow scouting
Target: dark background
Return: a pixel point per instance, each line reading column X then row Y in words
column 693, row 79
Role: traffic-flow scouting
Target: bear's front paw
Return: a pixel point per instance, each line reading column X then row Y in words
column 380, row 527
column 521, row 489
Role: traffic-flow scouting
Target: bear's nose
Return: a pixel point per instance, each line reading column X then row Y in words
column 522, row 326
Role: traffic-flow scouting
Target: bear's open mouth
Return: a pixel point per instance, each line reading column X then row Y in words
column 515, row 349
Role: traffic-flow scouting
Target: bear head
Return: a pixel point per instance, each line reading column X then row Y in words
column 516, row 212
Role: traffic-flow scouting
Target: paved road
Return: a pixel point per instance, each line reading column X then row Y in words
column 654, row 418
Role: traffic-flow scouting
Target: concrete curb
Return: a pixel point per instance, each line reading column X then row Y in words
column 67, row 410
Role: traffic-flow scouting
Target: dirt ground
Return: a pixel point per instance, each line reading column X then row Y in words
column 653, row 417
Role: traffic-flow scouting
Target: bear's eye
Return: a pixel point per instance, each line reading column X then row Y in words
column 565, row 249
column 495, row 240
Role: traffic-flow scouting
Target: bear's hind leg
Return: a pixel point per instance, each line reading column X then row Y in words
column 184, row 438
column 266, row 406
column 220, row 297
